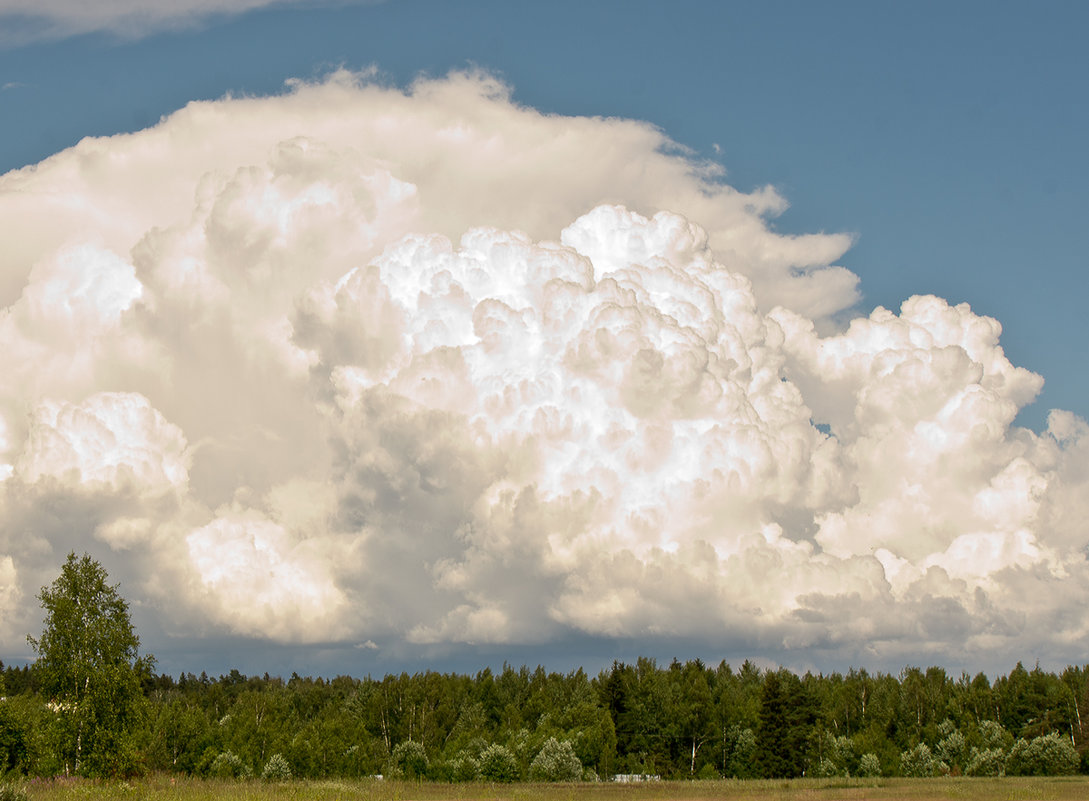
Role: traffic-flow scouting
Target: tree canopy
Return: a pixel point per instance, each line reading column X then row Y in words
column 89, row 666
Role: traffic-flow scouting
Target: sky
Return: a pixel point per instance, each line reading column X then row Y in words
column 355, row 337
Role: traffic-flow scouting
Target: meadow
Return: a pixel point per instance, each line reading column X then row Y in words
column 894, row 789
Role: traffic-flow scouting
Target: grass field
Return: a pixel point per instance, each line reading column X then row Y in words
column 947, row 789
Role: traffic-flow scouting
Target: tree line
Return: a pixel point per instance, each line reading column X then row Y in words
column 91, row 704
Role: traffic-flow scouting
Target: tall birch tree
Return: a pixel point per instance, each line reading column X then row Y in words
column 90, row 668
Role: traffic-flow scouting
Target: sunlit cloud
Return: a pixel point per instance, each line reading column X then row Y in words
column 360, row 365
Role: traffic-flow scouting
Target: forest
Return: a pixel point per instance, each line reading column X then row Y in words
column 92, row 705
column 683, row 720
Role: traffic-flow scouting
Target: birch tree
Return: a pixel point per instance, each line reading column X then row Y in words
column 90, row 669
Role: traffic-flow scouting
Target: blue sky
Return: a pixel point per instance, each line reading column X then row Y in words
column 947, row 139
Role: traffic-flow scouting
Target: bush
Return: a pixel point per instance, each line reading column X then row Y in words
column 277, row 768
column 409, row 760
column 1049, row 755
column 555, row 762
column 839, row 758
column 497, row 764
column 952, row 750
column 918, row 762
column 992, row 735
column 228, row 765
column 464, row 768
column 869, row 766
column 986, row 762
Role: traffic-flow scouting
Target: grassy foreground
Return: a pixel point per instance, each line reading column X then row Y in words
column 945, row 789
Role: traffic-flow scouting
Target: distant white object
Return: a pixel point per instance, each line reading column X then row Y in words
column 636, row 777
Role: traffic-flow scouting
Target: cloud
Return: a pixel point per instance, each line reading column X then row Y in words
column 417, row 368
column 256, row 580
column 109, row 442
column 29, row 20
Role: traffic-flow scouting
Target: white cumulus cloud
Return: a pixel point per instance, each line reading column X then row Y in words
column 112, row 441
column 356, row 364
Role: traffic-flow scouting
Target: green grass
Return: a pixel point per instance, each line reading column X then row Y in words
column 185, row 789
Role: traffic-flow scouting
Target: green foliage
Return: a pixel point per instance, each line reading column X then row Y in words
column 918, row 762
column 869, row 766
column 276, row 769
column 989, row 757
column 464, row 768
column 986, row 762
column 409, row 760
column 993, row 736
column 740, row 746
column 15, row 737
column 786, row 717
column 838, row 758
column 498, row 764
column 952, row 750
column 633, row 719
column 556, row 762
column 88, row 663
column 1032, row 702
column 1048, row 755
column 181, row 731
column 228, row 765
column 950, row 755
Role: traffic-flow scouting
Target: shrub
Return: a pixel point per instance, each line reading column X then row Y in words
column 228, row 765
column 497, row 764
column 918, row 762
column 838, row 758
column 556, row 762
column 986, row 762
column 409, row 760
column 869, row 766
column 952, row 749
column 277, row 768
column 464, row 768
column 992, row 735
column 1049, row 755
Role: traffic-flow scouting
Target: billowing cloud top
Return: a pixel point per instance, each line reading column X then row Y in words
column 355, row 364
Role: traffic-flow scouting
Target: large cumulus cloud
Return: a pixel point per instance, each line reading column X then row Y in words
column 355, row 364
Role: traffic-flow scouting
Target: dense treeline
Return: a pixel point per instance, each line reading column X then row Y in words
column 682, row 720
